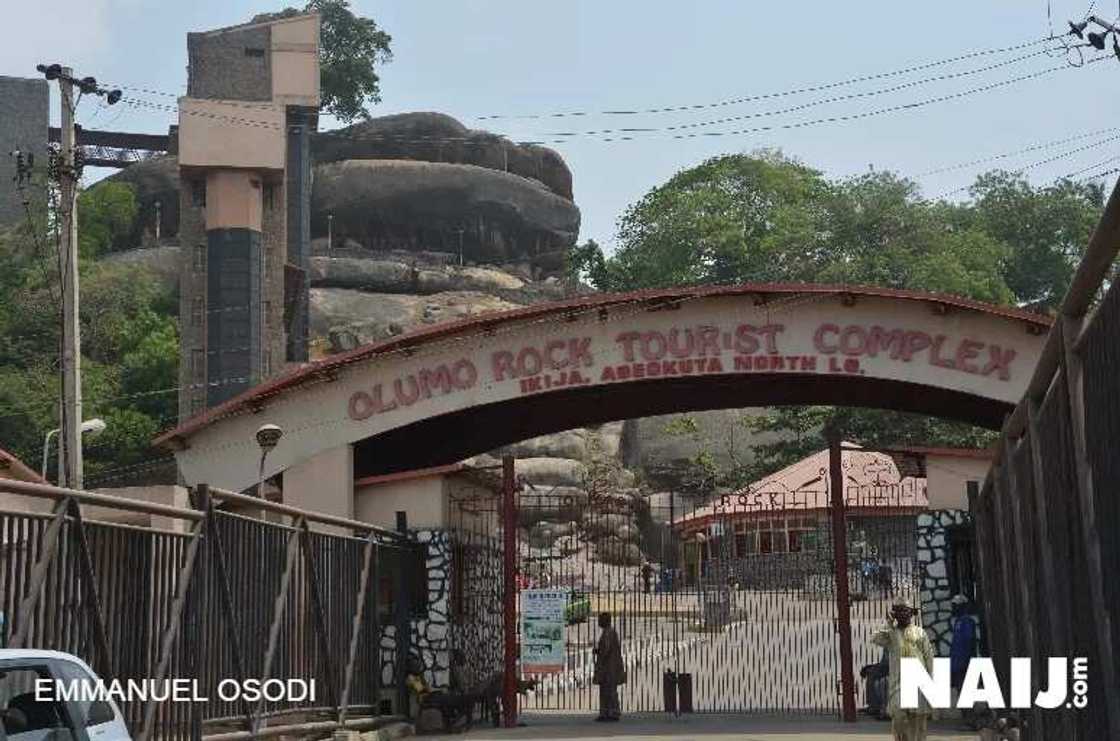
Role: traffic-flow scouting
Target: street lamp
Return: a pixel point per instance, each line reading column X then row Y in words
column 267, row 438
column 91, row 427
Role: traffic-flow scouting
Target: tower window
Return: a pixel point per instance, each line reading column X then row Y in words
column 198, row 309
column 200, row 258
column 198, row 193
column 198, row 364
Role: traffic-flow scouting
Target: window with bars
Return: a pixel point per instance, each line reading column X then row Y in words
column 198, row 365
column 198, row 193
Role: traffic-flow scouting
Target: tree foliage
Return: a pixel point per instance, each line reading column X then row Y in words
column 130, row 345
column 351, row 48
column 106, row 214
column 767, row 218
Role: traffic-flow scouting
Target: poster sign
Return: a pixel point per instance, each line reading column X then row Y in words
column 542, row 630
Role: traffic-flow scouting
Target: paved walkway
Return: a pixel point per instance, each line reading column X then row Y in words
column 542, row 727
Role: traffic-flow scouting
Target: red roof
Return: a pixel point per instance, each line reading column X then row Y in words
column 480, row 473
column 257, row 396
column 981, row 453
column 18, row 469
column 872, row 484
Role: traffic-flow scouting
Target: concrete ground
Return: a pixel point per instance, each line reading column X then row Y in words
column 646, row 727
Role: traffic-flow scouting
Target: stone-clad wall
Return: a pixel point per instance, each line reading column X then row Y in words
column 429, row 634
column 934, row 562
column 478, row 632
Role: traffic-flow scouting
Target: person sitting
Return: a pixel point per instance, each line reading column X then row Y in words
column 452, row 706
column 875, row 687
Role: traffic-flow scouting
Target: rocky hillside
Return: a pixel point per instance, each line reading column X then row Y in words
column 429, row 222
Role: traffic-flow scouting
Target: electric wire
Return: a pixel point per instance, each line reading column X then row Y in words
column 770, row 95
column 1039, row 163
column 806, row 105
column 1016, row 152
column 627, row 135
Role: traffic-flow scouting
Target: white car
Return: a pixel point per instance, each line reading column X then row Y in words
column 25, row 717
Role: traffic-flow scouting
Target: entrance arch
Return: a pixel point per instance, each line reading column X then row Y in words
column 463, row 388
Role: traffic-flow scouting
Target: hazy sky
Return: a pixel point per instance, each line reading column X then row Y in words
column 472, row 58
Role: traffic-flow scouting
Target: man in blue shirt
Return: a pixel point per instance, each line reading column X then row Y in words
column 963, row 647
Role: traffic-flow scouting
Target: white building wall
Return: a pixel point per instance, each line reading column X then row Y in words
column 947, row 479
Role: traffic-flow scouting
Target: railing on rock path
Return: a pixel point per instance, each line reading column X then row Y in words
column 1048, row 516
column 218, row 596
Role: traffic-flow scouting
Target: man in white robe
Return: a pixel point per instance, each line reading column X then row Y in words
column 902, row 639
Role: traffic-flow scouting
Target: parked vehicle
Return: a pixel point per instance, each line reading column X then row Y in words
column 578, row 609
column 25, row 717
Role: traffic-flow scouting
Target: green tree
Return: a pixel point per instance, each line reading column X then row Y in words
column 130, row 344
column 1045, row 229
column 106, row 213
column 734, row 216
column 764, row 217
column 351, row 48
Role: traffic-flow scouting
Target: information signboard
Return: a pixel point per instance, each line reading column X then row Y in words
column 542, row 630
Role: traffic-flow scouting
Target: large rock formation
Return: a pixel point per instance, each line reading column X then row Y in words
column 431, row 222
column 478, row 214
column 417, row 182
column 437, row 137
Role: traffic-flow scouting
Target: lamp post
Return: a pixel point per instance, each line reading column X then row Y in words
column 91, row 427
column 267, row 438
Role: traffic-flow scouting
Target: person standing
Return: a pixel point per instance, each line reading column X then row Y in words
column 609, row 670
column 902, row 640
column 647, row 576
column 962, row 648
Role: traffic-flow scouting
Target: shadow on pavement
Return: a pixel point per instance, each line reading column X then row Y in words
column 542, row 726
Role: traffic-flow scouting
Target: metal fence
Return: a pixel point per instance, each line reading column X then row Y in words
column 741, row 597
column 279, row 594
column 1048, row 516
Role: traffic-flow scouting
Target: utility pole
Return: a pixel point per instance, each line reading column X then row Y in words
column 71, row 437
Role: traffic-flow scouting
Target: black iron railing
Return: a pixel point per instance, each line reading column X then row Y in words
column 278, row 594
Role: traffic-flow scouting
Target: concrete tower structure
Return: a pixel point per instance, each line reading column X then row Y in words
column 245, row 184
column 24, row 109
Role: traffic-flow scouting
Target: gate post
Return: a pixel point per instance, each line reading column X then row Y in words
column 840, row 573
column 509, row 593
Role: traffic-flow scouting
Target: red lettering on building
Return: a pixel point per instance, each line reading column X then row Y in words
column 966, row 351
column 935, row 354
column 999, row 362
column 408, row 389
column 531, row 361
column 820, row 342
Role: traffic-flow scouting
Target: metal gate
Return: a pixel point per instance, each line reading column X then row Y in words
column 740, row 594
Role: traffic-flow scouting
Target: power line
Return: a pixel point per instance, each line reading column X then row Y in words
column 694, row 106
column 809, row 104
column 1005, row 155
column 1099, row 175
column 1095, row 166
column 776, row 94
column 627, row 135
column 1039, row 163
column 889, row 109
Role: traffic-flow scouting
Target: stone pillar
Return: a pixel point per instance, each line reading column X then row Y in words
column 934, row 554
